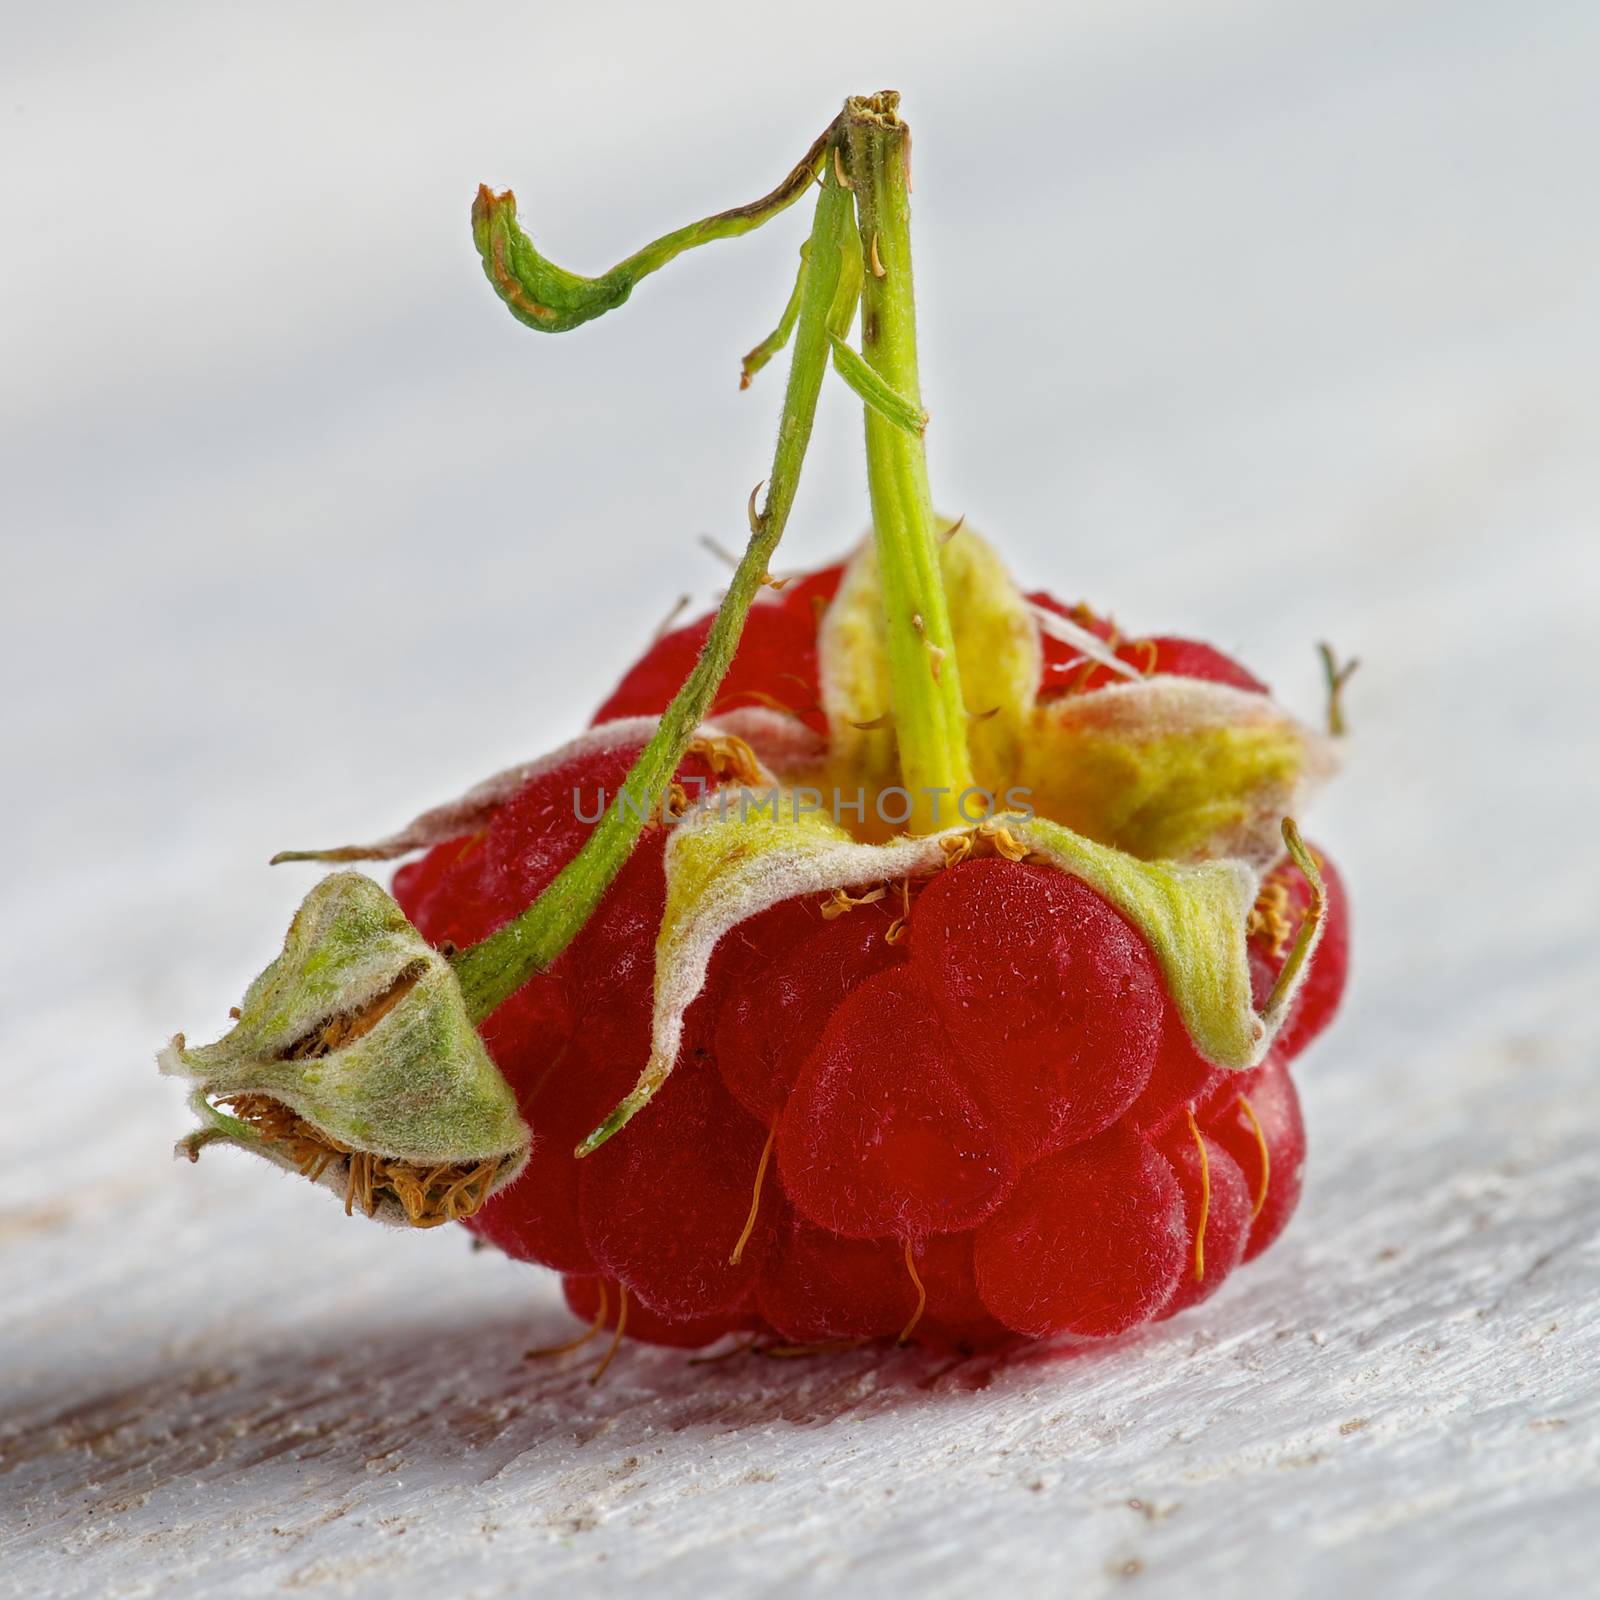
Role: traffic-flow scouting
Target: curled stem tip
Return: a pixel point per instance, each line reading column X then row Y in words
column 549, row 299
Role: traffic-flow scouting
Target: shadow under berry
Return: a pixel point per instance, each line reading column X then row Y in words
column 458, row 1398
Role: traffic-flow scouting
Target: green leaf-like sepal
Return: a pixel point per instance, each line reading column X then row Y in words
column 727, row 864
column 354, row 1062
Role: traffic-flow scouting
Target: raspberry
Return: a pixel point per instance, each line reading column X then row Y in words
column 783, row 973
column 1216, row 1213
column 880, row 1137
column 1257, row 1121
column 1091, row 1241
column 1050, row 994
column 962, row 1116
column 917, row 1077
column 663, row 1212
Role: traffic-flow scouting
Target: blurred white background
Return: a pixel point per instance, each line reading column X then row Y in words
column 1265, row 322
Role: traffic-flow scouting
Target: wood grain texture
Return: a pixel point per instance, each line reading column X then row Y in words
column 1411, row 1372
column 1319, row 361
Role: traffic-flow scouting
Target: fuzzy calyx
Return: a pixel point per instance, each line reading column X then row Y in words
column 1165, row 768
column 353, row 1062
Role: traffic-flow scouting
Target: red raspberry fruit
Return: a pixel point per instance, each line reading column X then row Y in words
column 984, row 1123
column 663, row 1212
column 830, row 1083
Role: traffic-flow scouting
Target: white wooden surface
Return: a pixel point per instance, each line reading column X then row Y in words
column 1297, row 336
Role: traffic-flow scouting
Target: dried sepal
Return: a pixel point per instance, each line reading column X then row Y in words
column 353, row 1063
column 1165, row 768
column 1174, row 768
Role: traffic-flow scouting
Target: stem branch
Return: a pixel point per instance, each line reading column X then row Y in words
column 493, row 970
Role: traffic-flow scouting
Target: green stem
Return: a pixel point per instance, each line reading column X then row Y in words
column 492, row 971
column 930, row 717
column 549, row 299
column 779, row 337
column 871, row 390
